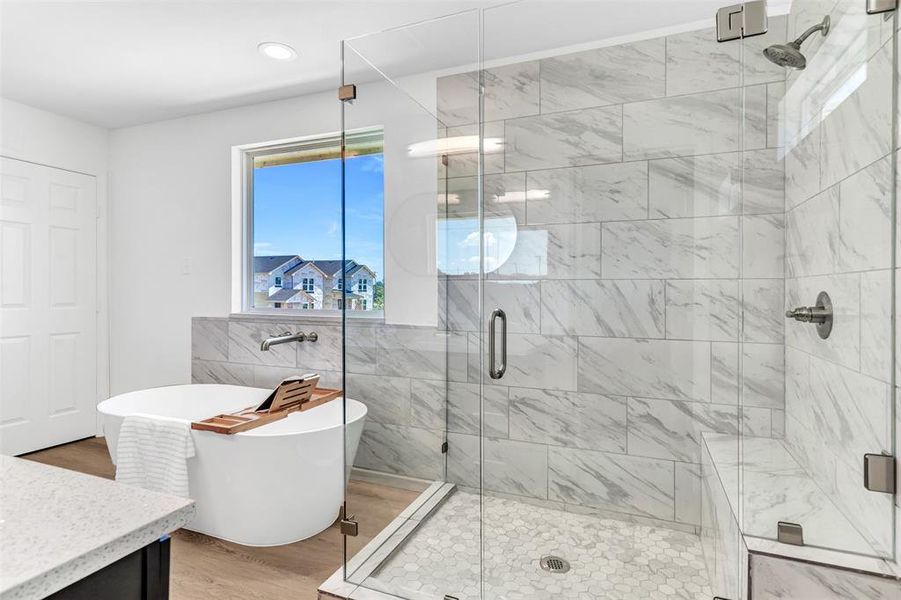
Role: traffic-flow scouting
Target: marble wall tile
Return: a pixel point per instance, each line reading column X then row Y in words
column 858, row 131
column 696, row 62
column 589, row 421
column 503, row 196
column 245, row 337
column 541, row 361
column 756, row 422
column 458, row 99
column 360, row 349
column 511, row 91
column 513, row 467
column 209, row 371
column 566, row 139
column 702, row 309
column 763, row 246
column 324, row 353
column 463, row 458
column 715, row 418
column 843, row 345
column 615, row 192
column 519, row 299
column 724, row 376
column 812, row 236
column 755, row 113
column 875, row 324
column 467, row 412
column 781, row 578
column 663, row 429
column 645, row 368
column 688, row 493
column 209, row 339
column 763, row 182
column 554, row 252
column 865, row 224
column 631, row 484
column 467, row 164
column 402, row 450
column 602, row 307
column 270, row 377
column 671, row 248
column 763, row 310
column 428, row 404
column 763, row 375
column 609, row 75
column 802, row 168
column 778, row 423
column 705, row 123
column 775, row 115
column 695, row 186
column 403, row 351
column 387, row 398
column 755, row 67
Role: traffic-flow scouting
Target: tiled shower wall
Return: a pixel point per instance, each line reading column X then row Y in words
column 647, row 189
column 839, row 184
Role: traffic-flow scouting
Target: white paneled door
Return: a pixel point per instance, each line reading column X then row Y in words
column 48, row 306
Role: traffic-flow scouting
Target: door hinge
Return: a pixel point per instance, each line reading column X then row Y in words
column 443, row 447
column 741, row 21
column 879, row 473
column 347, row 92
column 349, row 527
column 790, row 533
column 874, row 7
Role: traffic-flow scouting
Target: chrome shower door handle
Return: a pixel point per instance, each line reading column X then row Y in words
column 494, row 371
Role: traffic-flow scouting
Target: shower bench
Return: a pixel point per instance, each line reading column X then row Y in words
column 739, row 529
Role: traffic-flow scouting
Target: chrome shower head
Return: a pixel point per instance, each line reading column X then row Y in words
column 789, row 55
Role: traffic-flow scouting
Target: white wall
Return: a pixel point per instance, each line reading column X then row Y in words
column 171, row 186
column 38, row 136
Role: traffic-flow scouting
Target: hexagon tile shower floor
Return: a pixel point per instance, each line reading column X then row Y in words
column 610, row 559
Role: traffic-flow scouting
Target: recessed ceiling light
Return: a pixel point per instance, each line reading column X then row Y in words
column 277, row 51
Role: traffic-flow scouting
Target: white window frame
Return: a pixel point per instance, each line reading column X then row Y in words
column 308, row 284
column 241, row 292
column 278, row 282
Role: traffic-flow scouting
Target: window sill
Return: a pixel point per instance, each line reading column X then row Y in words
column 323, row 316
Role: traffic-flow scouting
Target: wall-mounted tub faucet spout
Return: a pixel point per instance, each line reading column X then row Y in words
column 288, row 337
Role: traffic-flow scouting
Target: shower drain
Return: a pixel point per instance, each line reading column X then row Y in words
column 554, row 564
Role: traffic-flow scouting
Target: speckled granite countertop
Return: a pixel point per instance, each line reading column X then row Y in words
column 58, row 526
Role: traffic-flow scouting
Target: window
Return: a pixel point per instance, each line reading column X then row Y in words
column 362, row 286
column 364, row 304
column 293, row 221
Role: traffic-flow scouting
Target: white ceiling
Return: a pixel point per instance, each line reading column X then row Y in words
column 116, row 63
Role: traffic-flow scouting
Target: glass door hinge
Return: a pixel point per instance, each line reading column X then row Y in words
column 879, row 473
column 741, row 20
column 874, row 7
column 790, row 533
column 347, row 92
column 444, row 448
column 349, row 527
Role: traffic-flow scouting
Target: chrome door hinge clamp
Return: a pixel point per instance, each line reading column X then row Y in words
column 879, row 473
column 347, row 93
column 443, row 447
column 741, row 21
column 349, row 527
column 874, row 7
column 790, row 533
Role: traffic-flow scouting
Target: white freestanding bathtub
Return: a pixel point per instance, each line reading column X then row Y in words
column 277, row 484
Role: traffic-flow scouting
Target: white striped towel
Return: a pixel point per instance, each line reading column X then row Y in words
column 153, row 454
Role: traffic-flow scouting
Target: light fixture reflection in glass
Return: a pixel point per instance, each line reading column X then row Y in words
column 461, row 144
column 458, row 244
column 517, row 196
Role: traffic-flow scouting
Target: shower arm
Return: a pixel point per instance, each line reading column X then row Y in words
column 803, row 37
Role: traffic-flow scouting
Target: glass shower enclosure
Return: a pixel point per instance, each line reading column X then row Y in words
column 639, row 299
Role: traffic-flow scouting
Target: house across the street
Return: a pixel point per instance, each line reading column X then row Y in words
column 289, row 281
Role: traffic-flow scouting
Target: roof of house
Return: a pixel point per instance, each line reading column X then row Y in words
column 285, row 294
column 357, row 268
column 330, row 268
column 267, row 264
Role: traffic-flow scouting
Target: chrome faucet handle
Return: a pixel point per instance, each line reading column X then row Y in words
column 312, row 336
column 820, row 315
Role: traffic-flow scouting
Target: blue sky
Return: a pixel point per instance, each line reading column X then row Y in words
column 297, row 210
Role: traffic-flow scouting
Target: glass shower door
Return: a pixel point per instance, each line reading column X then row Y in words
column 409, row 360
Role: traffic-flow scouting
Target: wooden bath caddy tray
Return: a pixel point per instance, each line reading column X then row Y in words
column 292, row 395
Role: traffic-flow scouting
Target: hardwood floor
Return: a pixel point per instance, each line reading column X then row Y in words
column 206, row 567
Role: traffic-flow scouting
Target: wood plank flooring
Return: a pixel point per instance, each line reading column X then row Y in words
column 205, row 567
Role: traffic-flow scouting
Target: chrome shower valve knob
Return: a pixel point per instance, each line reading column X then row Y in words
column 820, row 315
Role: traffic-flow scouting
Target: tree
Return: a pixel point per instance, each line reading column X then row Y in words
column 378, row 295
